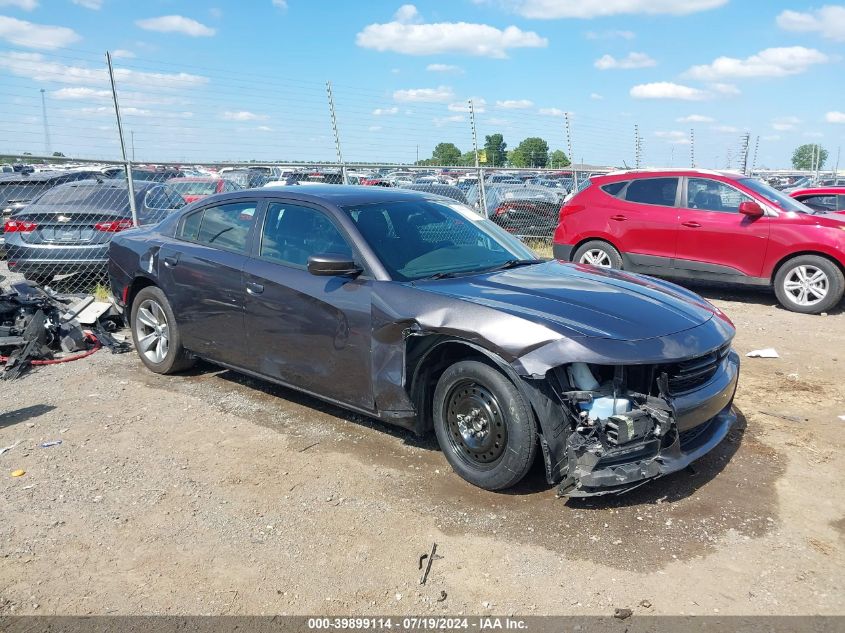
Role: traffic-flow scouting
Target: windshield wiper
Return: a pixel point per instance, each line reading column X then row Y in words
column 513, row 263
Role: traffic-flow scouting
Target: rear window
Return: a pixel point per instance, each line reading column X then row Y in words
column 657, row 191
column 198, row 188
column 87, row 197
column 20, row 192
column 615, row 188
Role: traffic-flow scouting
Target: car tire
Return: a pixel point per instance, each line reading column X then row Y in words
column 598, row 253
column 484, row 426
column 801, row 280
column 155, row 333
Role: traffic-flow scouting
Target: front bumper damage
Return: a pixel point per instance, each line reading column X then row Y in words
column 659, row 434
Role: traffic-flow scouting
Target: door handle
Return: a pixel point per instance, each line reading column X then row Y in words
column 618, row 217
column 171, row 261
column 254, row 288
column 692, row 225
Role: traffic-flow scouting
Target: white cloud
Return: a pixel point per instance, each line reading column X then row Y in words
column 835, row 117
column 425, row 95
column 785, row 123
column 667, row 90
column 813, row 135
column 243, row 115
column 35, row 66
column 412, row 38
column 595, row 96
column 31, row 35
column 216, row 13
column 495, row 120
column 771, row 137
column 122, row 53
column 695, row 118
column 551, row 112
column 446, row 120
column 478, row 104
column 407, row 14
column 374, row 128
column 609, row 35
column 771, row 62
column 176, row 24
column 280, row 4
column 444, row 68
column 729, row 90
column 514, row 104
column 674, row 137
column 25, row 5
column 94, row 5
column 633, row 60
column 725, row 129
column 264, row 128
column 553, row 9
column 385, row 111
column 127, row 98
column 829, row 22
column 80, row 93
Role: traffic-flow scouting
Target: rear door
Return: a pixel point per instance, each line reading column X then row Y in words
column 201, row 271
column 714, row 238
column 643, row 218
column 308, row 331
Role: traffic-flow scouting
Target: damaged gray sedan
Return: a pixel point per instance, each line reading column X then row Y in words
column 410, row 308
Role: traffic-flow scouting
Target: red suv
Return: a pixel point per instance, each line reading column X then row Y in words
column 709, row 225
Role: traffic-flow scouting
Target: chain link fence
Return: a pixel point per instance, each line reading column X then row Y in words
column 91, row 146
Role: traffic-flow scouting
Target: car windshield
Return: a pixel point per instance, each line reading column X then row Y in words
column 776, row 197
column 423, row 238
column 194, row 188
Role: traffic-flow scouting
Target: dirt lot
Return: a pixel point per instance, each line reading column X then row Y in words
column 209, row 493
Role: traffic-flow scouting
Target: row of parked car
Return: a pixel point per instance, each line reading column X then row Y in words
column 687, row 224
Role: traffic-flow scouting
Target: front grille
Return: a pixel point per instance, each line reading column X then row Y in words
column 691, row 374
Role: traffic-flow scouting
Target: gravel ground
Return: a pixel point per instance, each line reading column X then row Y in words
column 211, row 493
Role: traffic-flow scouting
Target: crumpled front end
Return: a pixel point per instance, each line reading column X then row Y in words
column 629, row 424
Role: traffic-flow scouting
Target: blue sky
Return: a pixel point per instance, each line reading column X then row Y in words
column 222, row 79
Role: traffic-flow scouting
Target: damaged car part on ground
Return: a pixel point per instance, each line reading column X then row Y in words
column 413, row 309
column 40, row 327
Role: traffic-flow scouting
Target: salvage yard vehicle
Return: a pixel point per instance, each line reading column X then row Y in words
column 827, row 199
column 193, row 188
column 67, row 229
column 707, row 225
column 413, row 309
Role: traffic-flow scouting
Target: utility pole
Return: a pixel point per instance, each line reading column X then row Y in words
column 637, row 146
column 836, row 169
column 571, row 155
column 746, row 140
column 692, row 148
column 481, row 190
column 132, row 138
column 756, row 148
column 344, row 179
column 130, row 184
column 47, row 145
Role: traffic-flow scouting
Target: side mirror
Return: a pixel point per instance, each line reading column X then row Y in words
column 332, row 265
column 750, row 208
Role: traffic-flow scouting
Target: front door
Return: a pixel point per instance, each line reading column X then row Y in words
column 312, row 332
column 714, row 238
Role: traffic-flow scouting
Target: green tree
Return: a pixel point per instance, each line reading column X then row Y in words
column 467, row 159
column 495, row 147
column 532, row 152
column 558, row 158
column 802, row 157
column 446, row 154
column 58, row 155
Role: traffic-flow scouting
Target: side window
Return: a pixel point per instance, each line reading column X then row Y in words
column 824, row 204
column 614, row 188
column 840, row 206
column 712, row 195
column 225, row 226
column 292, row 234
column 658, row 191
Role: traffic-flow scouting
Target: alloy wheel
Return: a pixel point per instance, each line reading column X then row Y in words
column 806, row 285
column 152, row 331
column 596, row 257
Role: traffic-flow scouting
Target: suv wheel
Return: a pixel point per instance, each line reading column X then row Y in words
column 155, row 333
column 484, row 427
column 809, row 284
column 598, row 253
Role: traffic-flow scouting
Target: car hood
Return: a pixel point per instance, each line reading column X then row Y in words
column 581, row 300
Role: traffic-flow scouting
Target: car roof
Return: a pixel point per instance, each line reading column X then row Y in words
column 667, row 172
column 838, row 190
column 43, row 176
column 196, row 179
column 338, row 195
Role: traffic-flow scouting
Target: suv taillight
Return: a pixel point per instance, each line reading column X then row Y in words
column 114, row 226
column 570, row 208
column 19, row 226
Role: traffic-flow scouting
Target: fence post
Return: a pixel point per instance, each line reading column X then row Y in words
column 478, row 168
column 746, row 146
column 336, row 134
column 692, row 148
column 571, row 155
column 127, row 165
column 756, row 148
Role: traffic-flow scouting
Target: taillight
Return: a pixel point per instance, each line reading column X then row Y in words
column 19, row 226
column 502, row 209
column 570, row 208
column 114, row 226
